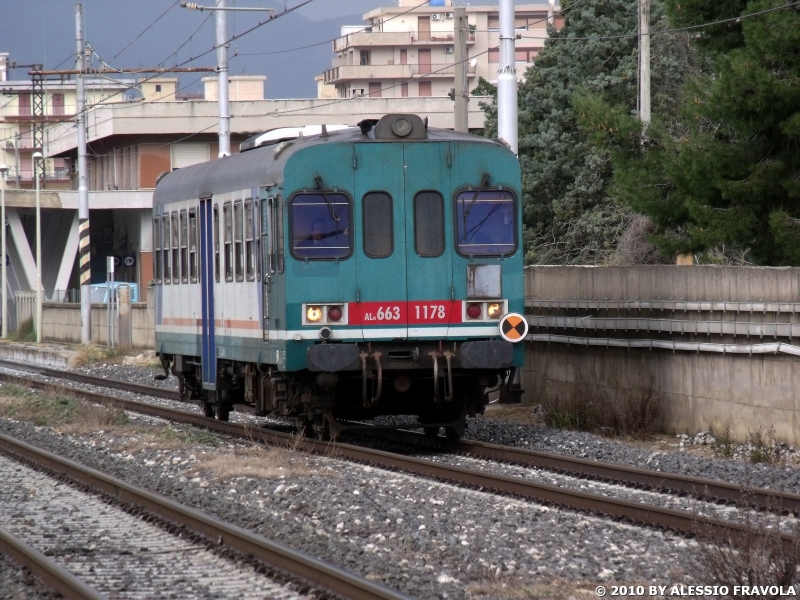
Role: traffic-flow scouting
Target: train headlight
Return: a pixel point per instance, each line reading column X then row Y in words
column 313, row 314
column 494, row 310
column 334, row 313
column 474, row 311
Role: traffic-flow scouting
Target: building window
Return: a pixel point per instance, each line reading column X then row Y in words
column 429, row 224
column 404, row 90
column 250, row 242
column 193, row 245
column 238, row 246
column 425, row 88
column 357, row 92
column 403, row 56
column 375, row 90
column 158, row 87
column 58, row 104
column 364, row 58
column 228, row 240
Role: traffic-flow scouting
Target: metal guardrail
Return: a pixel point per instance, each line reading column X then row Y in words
column 669, row 305
column 668, row 326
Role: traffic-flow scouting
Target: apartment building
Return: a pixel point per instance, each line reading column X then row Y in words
column 19, row 115
column 400, row 52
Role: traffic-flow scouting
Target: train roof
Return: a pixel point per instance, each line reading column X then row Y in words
column 263, row 165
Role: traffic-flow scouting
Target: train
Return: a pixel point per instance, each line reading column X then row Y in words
column 336, row 274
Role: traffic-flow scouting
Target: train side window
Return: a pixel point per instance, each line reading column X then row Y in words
column 157, row 250
column 167, row 246
column 279, row 233
column 193, row 245
column 429, row 224
column 257, row 235
column 485, row 223
column 238, row 246
column 320, row 226
column 249, row 244
column 176, row 269
column 378, row 227
column 228, row 240
column 216, row 242
column 184, row 248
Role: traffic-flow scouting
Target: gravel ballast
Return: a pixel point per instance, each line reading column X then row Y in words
column 427, row 539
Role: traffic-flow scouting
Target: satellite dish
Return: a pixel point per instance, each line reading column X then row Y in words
column 473, row 62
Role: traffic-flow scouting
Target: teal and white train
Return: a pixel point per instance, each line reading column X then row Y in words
column 338, row 274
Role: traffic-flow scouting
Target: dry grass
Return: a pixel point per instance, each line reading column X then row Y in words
column 67, row 414
column 89, row 354
column 254, row 461
column 617, row 411
column 523, row 589
column 513, row 414
column 756, row 556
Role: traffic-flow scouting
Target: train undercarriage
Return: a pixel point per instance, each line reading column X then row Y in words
column 427, row 381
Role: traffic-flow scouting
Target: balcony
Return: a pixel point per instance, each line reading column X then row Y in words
column 345, row 73
column 395, row 38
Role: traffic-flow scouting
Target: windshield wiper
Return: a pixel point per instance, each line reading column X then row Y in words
column 320, row 187
column 465, row 210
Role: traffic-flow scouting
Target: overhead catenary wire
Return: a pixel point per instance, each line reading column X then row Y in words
column 106, row 100
column 341, row 100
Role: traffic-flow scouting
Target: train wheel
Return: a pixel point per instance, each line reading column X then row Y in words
column 453, row 433
column 208, row 409
column 431, row 432
column 223, row 411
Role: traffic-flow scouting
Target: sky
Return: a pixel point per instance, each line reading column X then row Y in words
column 148, row 33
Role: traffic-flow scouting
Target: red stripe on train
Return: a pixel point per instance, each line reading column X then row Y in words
column 412, row 312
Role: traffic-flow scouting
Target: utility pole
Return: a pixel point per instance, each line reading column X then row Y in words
column 644, row 62
column 222, row 80
column 507, row 79
column 84, row 258
column 461, row 93
column 17, row 141
column 551, row 8
column 221, row 37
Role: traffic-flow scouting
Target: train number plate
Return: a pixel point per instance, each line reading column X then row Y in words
column 413, row 312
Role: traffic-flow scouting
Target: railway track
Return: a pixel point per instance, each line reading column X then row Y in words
column 658, row 481
column 118, row 549
column 635, row 512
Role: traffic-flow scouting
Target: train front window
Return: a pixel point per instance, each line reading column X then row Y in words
column 378, row 239
column 485, row 223
column 321, row 226
column 429, row 224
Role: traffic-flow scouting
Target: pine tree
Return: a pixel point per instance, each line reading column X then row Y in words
column 728, row 172
column 569, row 217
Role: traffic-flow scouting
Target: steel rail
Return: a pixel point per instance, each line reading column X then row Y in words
column 656, row 516
column 138, row 388
column 317, row 572
column 46, row 570
column 657, row 480
column 761, row 498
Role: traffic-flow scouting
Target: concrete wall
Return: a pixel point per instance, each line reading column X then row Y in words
column 62, row 323
column 698, row 390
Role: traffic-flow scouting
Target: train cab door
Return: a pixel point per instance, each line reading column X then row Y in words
column 380, row 246
column 209, row 219
column 429, row 239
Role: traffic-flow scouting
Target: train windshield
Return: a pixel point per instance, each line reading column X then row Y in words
column 485, row 223
column 321, row 226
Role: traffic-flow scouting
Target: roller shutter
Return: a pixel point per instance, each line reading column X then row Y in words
column 185, row 155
